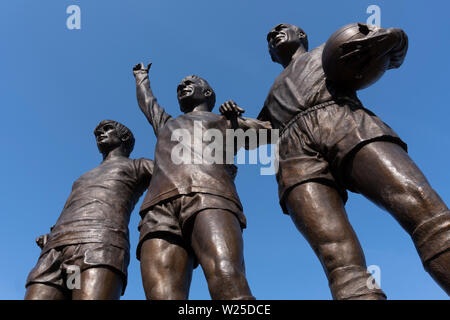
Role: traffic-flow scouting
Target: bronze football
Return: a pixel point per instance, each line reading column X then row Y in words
column 360, row 72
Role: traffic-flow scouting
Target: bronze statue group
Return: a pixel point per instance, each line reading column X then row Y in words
column 191, row 214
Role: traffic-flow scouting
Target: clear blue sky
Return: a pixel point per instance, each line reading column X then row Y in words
column 57, row 84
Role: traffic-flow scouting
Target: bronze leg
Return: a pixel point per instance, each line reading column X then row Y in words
column 40, row 291
column 318, row 212
column 99, row 283
column 218, row 245
column 166, row 270
column 384, row 173
column 439, row 269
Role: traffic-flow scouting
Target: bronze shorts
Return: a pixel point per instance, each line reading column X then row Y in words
column 174, row 215
column 52, row 265
column 315, row 144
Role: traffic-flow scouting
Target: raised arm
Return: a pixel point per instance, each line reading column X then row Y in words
column 378, row 42
column 233, row 113
column 155, row 114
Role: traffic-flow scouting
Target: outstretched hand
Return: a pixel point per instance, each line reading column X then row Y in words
column 140, row 68
column 230, row 109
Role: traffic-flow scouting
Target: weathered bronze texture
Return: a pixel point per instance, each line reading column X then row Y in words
column 330, row 143
column 192, row 213
column 91, row 233
column 355, row 56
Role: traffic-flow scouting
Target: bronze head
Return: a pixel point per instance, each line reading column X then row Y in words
column 111, row 135
column 193, row 91
column 284, row 40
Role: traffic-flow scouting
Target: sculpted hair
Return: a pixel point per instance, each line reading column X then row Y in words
column 124, row 133
column 212, row 97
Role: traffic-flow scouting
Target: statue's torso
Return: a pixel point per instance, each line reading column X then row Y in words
column 99, row 206
column 172, row 177
column 301, row 85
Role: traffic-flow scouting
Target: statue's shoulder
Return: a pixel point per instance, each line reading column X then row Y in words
column 317, row 51
column 143, row 160
column 144, row 164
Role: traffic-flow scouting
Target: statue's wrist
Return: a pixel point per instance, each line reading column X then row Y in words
column 140, row 76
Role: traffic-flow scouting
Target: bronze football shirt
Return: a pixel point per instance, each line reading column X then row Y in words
column 99, row 206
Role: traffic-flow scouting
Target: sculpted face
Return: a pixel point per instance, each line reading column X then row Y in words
column 191, row 92
column 284, row 39
column 186, row 88
column 107, row 138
